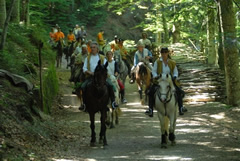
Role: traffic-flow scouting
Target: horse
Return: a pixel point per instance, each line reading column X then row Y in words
column 96, row 96
column 166, row 106
column 68, row 52
column 113, row 114
column 123, row 69
column 59, row 48
column 143, row 78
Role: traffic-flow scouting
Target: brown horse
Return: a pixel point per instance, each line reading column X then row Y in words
column 143, row 78
column 59, row 52
column 96, row 97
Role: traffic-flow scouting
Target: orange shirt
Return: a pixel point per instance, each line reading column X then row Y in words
column 58, row 35
column 51, row 34
column 89, row 48
column 71, row 37
column 100, row 36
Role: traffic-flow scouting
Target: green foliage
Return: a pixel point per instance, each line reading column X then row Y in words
column 50, row 88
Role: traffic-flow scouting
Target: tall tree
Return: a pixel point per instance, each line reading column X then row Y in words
column 25, row 17
column 5, row 28
column 231, row 61
column 2, row 13
column 16, row 12
column 212, row 55
column 164, row 22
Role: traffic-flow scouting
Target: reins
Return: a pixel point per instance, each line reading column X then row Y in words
column 159, row 94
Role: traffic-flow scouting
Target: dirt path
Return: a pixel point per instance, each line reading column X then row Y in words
column 208, row 131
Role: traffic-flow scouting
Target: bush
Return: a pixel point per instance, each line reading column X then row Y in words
column 50, row 88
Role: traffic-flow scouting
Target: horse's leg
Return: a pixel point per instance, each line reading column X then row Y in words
column 92, row 126
column 116, row 117
column 112, row 118
column 103, row 128
column 163, row 130
column 172, row 118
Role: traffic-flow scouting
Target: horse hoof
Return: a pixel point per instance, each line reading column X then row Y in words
column 112, row 126
column 173, row 143
column 164, row 146
column 92, row 144
column 116, row 122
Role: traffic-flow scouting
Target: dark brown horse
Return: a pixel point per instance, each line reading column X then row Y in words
column 96, row 98
column 143, row 78
column 59, row 52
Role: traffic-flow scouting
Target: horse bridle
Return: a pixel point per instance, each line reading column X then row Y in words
column 167, row 101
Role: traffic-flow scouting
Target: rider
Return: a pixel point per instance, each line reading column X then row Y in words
column 166, row 66
column 100, row 40
column 70, row 37
column 141, row 55
column 113, row 70
column 114, row 45
column 58, row 35
column 76, row 30
column 89, row 66
column 124, row 54
column 82, row 33
column 146, row 41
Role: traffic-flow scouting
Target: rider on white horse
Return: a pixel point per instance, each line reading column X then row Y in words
column 166, row 66
column 113, row 70
column 141, row 55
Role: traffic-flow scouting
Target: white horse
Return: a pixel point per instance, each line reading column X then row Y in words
column 166, row 106
column 113, row 114
column 123, row 69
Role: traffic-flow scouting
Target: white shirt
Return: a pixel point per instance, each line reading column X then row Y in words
column 165, row 69
column 93, row 63
column 111, row 67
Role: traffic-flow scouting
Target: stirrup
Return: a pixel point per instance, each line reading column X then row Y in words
column 114, row 104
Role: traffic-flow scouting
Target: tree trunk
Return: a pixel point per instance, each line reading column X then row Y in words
column 212, row 55
column 220, row 41
column 231, row 61
column 16, row 12
column 2, row 13
column 5, row 28
column 25, row 12
column 165, row 26
column 176, row 32
column 176, row 29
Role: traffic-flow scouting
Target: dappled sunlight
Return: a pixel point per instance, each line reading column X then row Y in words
column 218, row 116
column 120, row 157
column 186, row 130
column 160, row 157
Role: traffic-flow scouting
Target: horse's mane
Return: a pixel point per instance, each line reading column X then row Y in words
column 142, row 70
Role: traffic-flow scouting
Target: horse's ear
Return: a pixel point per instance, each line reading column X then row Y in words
column 106, row 64
column 99, row 62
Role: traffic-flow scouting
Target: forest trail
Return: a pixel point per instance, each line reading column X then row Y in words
column 208, row 131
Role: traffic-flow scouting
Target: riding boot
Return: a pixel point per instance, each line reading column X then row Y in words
column 132, row 80
column 122, row 93
column 149, row 112
column 112, row 96
column 180, row 102
column 83, row 107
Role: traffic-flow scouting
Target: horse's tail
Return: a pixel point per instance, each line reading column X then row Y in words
column 143, row 70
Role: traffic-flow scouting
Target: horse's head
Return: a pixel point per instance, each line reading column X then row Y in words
column 117, row 56
column 100, row 74
column 165, row 86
